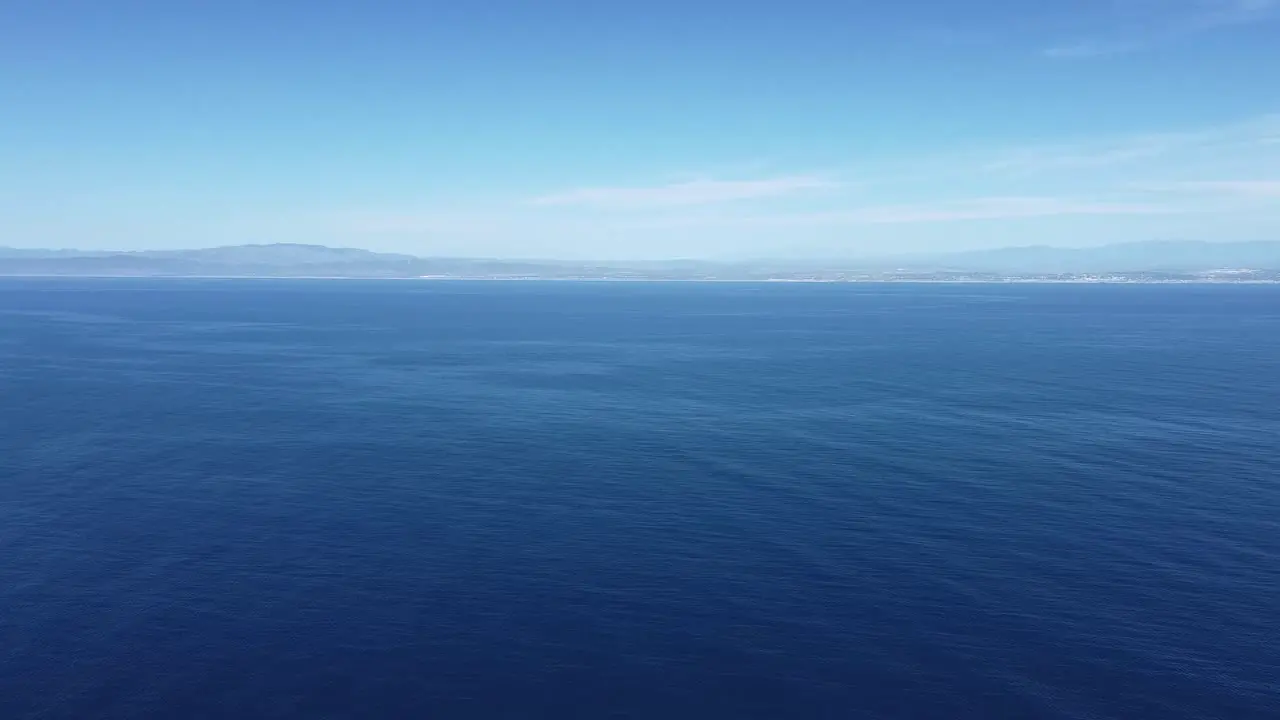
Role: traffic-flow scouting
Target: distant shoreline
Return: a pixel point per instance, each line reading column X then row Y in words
column 744, row 281
column 1131, row 263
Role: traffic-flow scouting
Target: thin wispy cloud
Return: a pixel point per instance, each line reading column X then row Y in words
column 1084, row 155
column 1094, row 154
column 1142, row 25
column 1090, row 49
column 999, row 208
column 1156, row 182
column 993, row 208
column 1250, row 189
column 684, row 194
column 970, row 209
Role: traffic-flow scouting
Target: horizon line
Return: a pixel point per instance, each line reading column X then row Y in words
column 721, row 260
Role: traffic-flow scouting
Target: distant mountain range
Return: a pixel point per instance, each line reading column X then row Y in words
column 295, row 260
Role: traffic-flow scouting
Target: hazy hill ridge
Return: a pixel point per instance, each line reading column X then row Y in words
column 298, row 260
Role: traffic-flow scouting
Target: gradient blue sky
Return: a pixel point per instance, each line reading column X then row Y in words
column 591, row 129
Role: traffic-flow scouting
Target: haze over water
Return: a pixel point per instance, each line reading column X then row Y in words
column 306, row 499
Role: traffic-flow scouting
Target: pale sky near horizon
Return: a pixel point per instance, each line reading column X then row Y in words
column 607, row 130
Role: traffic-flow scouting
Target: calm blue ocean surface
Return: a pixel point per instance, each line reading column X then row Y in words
column 311, row 499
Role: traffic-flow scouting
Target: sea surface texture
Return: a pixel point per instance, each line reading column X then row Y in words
column 331, row 499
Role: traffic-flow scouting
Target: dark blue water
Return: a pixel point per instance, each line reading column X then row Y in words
column 304, row 499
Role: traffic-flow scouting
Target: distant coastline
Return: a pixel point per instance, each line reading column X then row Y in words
column 744, row 281
column 1127, row 263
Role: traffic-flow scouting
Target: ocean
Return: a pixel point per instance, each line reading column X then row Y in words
column 412, row 499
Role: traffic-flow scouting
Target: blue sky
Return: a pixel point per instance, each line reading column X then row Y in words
column 576, row 129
